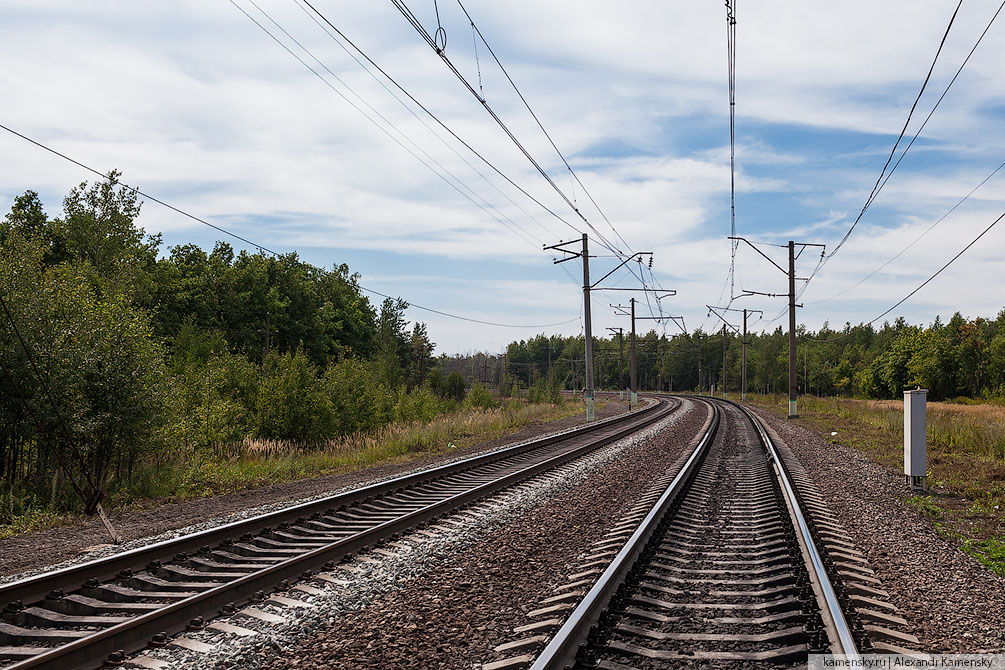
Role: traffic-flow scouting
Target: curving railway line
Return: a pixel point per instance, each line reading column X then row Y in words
column 735, row 565
column 98, row 612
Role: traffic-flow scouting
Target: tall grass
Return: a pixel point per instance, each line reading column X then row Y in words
column 256, row 462
column 977, row 429
column 972, row 429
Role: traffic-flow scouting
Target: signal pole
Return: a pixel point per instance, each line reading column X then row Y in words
column 723, row 360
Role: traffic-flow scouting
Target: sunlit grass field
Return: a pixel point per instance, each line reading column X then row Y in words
column 966, row 459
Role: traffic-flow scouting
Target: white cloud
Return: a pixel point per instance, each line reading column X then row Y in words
column 193, row 102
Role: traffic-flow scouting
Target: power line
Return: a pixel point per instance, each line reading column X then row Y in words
column 939, row 271
column 883, row 175
column 430, row 40
column 731, row 68
column 915, row 240
column 335, row 38
column 539, row 124
column 256, row 245
column 437, row 119
column 500, row 219
column 893, row 151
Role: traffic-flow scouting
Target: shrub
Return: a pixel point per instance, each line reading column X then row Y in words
column 292, row 402
column 480, row 397
column 359, row 401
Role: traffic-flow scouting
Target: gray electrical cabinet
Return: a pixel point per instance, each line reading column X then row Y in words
column 915, row 426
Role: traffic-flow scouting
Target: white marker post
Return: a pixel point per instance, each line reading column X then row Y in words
column 915, row 426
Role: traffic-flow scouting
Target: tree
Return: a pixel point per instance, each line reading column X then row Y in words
column 96, row 361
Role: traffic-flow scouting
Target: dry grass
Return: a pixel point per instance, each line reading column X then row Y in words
column 966, row 459
column 256, row 462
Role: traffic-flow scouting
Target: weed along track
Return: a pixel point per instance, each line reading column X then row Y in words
column 96, row 612
column 737, row 564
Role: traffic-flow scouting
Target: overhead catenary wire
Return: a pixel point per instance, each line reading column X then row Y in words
column 939, row 271
column 416, row 24
column 470, row 195
column 338, row 39
column 880, row 182
column 435, row 118
column 540, row 125
column 731, row 75
column 915, row 240
column 256, row 245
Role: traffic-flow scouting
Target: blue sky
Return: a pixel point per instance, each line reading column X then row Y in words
column 194, row 103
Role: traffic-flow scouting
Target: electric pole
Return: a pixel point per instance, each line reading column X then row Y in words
column 791, row 273
column 635, row 389
column 587, row 287
column 621, row 361
column 587, row 322
column 699, row 365
column 793, row 413
column 723, row 360
column 743, row 369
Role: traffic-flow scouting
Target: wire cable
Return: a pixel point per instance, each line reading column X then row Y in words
column 914, row 241
column 436, row 118
column 893, row 151
column 540, row 125
column 381, row 82
column 939, row 271
column 455, row 186
column 407, row 13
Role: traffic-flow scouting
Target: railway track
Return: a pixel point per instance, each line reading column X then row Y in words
column 724, row 571
column 98, row 612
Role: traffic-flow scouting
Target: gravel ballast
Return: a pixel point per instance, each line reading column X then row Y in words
column 447, row 603
column 953, row 603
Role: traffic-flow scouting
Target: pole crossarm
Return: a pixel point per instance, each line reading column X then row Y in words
column 802, row 247
column 560, row 247
column 712, row 310
column 636, row 256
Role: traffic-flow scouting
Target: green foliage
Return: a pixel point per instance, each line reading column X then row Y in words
column 359, row 400
column 480, row 397
column 103, row 370
column 292, row 401
column 149, row 358
column 454, row 387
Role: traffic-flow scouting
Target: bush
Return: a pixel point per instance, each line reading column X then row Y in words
column 292, row 401
column 358, row 400
column 454, row 387
column 421, row 404
column 480, row 397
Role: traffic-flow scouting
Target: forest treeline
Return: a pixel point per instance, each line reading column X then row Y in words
column 116, row 355
column 136, row 355
column 959, row 358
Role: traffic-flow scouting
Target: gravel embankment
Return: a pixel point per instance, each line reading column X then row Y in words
column 954, row 604
column 449, row 610
column 26, row 554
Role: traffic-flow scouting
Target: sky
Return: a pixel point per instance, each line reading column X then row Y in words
column 303, row 149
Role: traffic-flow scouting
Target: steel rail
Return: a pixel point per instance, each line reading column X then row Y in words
column 844, row 641
column 70, row 578
column 134, row 634
column 561, row 652
column 562, row 649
